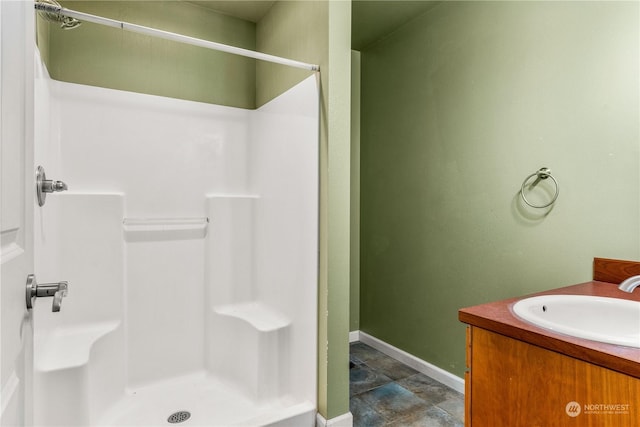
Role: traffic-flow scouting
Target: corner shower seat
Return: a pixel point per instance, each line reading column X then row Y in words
column 70, row 346
column 249, row 345
column 79, row 368
column 256, row 314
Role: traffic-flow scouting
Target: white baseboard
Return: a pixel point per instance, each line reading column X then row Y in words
column 344, row 420
column 354, row 336
column 438, row 374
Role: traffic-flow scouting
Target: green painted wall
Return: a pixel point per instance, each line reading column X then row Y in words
column 294, row 30
column 320, row 32
column 107, row 57
column 458, row 107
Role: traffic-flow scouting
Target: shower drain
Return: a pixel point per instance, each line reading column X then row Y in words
column 179, row 417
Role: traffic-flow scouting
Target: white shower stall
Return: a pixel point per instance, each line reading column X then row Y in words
column 189, row 238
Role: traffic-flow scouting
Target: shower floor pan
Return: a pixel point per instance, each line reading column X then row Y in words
column 209, row 403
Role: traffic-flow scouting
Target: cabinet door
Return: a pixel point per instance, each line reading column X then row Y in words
column 518, row 384
column 467, row 380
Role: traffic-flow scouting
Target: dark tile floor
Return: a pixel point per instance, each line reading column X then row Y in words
column 385, row 392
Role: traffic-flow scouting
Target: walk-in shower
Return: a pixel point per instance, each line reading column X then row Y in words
column 188, row 238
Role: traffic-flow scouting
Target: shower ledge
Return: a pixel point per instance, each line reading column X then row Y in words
column 260, row 316
column 69, row 347
column 153, row 229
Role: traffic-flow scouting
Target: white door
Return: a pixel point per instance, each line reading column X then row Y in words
column 16, row 208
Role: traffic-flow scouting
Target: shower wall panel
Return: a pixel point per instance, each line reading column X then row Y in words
column 165, row 309
column 164, row 154
column 78, row 352
column 90, row 258
column 284, row 173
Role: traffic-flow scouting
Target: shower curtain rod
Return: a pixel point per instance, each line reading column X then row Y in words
column 50, row 8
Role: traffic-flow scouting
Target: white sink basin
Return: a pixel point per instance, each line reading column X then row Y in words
column 608, row 320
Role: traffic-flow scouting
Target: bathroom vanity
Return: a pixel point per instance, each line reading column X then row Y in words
column 520, row 374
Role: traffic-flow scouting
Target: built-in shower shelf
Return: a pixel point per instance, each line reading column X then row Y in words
column 153, row 229
column 260, row 316
column 69, row 347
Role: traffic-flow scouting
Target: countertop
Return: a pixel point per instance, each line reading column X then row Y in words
column 499, row 317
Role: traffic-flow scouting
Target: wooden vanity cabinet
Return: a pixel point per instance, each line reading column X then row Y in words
column 511, row 383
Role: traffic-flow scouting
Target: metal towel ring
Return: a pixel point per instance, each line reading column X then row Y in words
column 542, row 173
